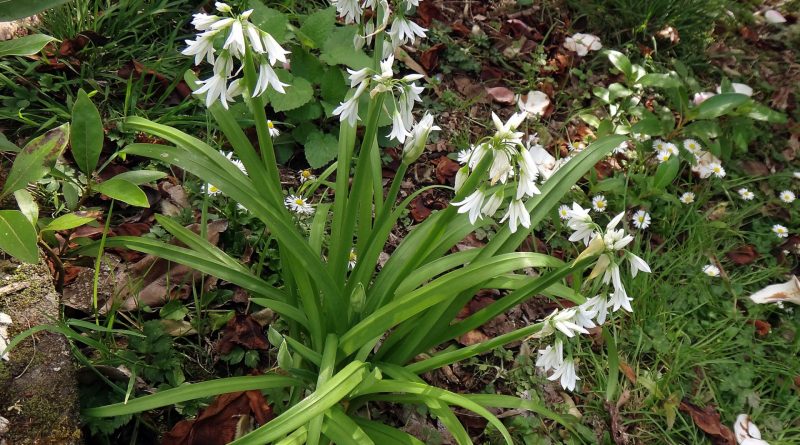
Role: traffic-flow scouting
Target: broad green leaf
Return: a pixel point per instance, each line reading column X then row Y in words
column 36, row 159
column 318, row 26
column 339, row 50
column 192, row 391
column 719, row 105
column 124, row 191
column 762, row 112
column 66, row 222
column 23, row 46
column 666, row 172
column 621, row 62
column 332, row 85
column 269, row 20
column 298, row 93
column 660, row 80
column 17, row 236
column 27, row 205
column 306, row 65
column 703, row 129
column 87, row 133
column 6, row 145
column 320, row 149
column 139, row 177
column 650, row 126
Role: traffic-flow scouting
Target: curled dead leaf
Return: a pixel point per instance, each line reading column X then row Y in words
column 501, row 95
column 708, row 420
column 742, row 255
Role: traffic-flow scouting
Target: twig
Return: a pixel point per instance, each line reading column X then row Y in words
column 14, row 287
column 59, row 266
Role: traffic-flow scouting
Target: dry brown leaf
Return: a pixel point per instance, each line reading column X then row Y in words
column 473, row 337
column 501, row 95
column 628, row 371
column 745, row 254
column 708, row 420
column 245, row 331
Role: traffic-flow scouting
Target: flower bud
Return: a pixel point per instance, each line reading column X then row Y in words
column 415, row 144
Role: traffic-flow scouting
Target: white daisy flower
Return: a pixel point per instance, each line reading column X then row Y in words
column 692, row 146
column 212, row 189
column 659, row 145
column 711, row 270
column 641, row 219
column 298, row 204
column 563, row 212
column 796, row 175
column 463, row 156
column 780, row 231
column 306, row 175
column 787, row 196
column 717, row 169
column 687, row 198
column 663, row 156
column 352, row 259
column 671, row 148
column 274, row 132
column 746, row 194
column 599, row 203
column 621, row 148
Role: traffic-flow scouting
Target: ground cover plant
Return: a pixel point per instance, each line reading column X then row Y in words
column 559, row 252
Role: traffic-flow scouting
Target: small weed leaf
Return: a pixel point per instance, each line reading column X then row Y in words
column 24, row 46
column 320, row 149
column 124, row 191
column 317, row 27
column 87, row 133
column 297, row 94
column 17, row 236
column 36, row 159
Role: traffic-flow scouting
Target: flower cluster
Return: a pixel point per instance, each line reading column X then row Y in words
column 240, row 36
column 401, row 31
column 609, row 245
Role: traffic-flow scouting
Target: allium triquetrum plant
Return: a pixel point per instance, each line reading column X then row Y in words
column 357, row 334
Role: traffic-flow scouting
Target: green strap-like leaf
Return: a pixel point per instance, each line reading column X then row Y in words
column 191, row 392
column 385, row 435
column 17, row 236
column 342, row 430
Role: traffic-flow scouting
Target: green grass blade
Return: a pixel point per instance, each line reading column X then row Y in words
column 384, row 434
column 342, row 430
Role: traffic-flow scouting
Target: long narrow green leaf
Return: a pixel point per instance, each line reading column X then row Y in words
column 326, row 396
column 192, row 391
column 342, row 430
column 197, row 243
column 326, row 367
column 386, row 435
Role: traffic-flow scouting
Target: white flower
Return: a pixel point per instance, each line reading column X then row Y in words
column 566, row 374
column 746, row 194
column 349, row 10
column 472, row 204
column 517, row 214
column 671, row 148
column 235, row 41
column 535, row 103
column 222, row 7
column 267, row 77
column 692, row 146
column 581, row 222
column 298, row 204
column 274, row 50
column 348, row 110
column 398, row 132
column 599, row 203
column 705, row 162
column 463, row 156
column 528, row 174
column 621, row 148
column 701, row 97
column 306, row 175
column 787, row 196
column 659, row 145
column 236, row 162
column 687, row 197
column 404, row 31
column 387, row 71
column 5, row 322
column 551, row 357
column 774, row 17
column 747, row 433
column 203, row 22
column 564, row 321
column 640, row 137
column 663, row 156
column 738, row 88
column 619, row 299
column 616, row 239
column 641, row 219
column 584, row 316
column 637, row 264
column 352, row 259
column 711, row 270
column 717, row 169
column 582, row 43
column 418, row 137
column 780, row 231
column 201, row 48
column 508, row 129
column 599, row 305
column 492, row 204
column 563, row 212
column 358, row 77
column 212, row 189
column 501, row 168
column 214, row 87
column 273, row 132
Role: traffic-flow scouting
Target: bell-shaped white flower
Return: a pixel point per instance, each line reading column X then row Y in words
column 349, row 10
column 267, row 77
column 203, row 22
column 564, row 321
column 493, row 203
column 399, row 131
column 274, row 50
column 637, row 264
column 581, row 222
column 516, row 215
column 551, row 357
column 599, row 305
column 472, row 204
column 235, row 43
column 201, row 48
column 619, row 298
column 215, row 88
column 566, row 375
column 404, row 31
column 418, row 137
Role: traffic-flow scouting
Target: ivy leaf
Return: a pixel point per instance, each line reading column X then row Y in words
column 298, row 93
column 17, row 236
column 36, row 159
column 320, row 149
column 338, row 49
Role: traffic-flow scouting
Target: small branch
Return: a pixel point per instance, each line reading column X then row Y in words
column 59, row 266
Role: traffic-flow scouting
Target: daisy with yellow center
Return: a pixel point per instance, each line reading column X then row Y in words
column 599, row 203
column 780, row 231
column 659, row 145
column 274, row 132
column 716, row 169
column 746, row 194
column 641, row 219
column 563, row 212
column 687, row 198
column 692, row 146
column 212, row 189
column 787, row 196
column 711, row 270
column 299, row 205
column 306, row 175
column 663, row 156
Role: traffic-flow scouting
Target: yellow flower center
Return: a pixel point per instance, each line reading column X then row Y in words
column 270, row 125
column 299, row 201
column 306, row 173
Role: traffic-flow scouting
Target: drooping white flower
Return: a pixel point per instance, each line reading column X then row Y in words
column 616, row 239
column 780, row 231
column 687, row 197
column 359, row 76
column 711, row 270
column 203, row 22
column 235, row 43
column 746, row 194
column 273, row 130
column 348, row 10
column 501, row 168
column 563, row 212
column 222, row 7
column 267, row 77
column 404, row 31
column 582, row 43
column 215, row 87
column 472, row 204
column 620, row 299
column 274, row 50
column 641, row 219
column 564, row 321
column 299, row 205
column 637, row 264
column 599, row 203
column 535, row 103
column 599, row 305
column 517, row 214
column 201, row 48
column 787, row 196
column 527, row 178
column 566, row 375
column 551, row 357
column 581, row 222
column 418, row 137
column 306, row 175
column 398, row 132
column 493, row 203
column 621, row 148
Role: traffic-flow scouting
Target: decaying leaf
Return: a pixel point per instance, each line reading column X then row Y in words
column 243, row 330
column 230, row 416
column 745, row 254
column 708, row 420
column 501, row 95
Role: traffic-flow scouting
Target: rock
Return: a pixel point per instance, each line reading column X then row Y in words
column 38, row 389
